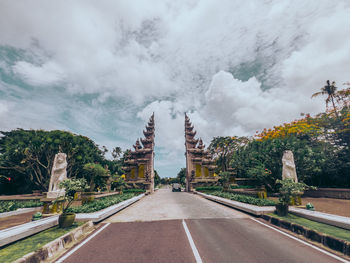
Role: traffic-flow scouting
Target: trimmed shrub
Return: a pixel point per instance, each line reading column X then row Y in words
column 244, row 199
column 134, row 190
column 101, row 203
column 7, row 206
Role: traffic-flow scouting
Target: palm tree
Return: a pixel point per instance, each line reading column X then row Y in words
column 117, row 151
column 331, row 91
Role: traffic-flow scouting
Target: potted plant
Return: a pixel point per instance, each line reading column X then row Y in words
column 288, row 190
column 71, row 186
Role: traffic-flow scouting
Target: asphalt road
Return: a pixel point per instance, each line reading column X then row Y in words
column 152, row 230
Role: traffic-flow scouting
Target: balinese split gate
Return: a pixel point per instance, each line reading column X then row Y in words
column 139, row 164
column 200, row 165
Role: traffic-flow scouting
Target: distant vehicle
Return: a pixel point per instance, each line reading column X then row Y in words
column 176, row 187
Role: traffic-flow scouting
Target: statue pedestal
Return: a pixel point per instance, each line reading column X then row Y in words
column 52, row 205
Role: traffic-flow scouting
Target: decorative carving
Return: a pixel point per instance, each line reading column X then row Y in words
column 138, row 164
column 58, row 174
column 199, row 163
column 289, row 170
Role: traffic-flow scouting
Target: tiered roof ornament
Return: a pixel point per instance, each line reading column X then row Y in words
column 139, row 164
column 200, row 165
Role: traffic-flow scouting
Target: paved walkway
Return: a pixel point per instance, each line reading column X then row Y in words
column 182, row 227
column 166, row 205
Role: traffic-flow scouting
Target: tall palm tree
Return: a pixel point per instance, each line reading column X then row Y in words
column 117, row 151
column 331, row 91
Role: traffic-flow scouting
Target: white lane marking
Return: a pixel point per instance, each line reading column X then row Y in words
column 193, row 246
column 82, row 244
column 303, row 242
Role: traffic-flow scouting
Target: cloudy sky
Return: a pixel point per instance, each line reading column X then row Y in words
column 100, row 68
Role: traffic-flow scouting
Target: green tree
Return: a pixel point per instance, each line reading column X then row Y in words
column 181, row 176
column 330, row 90
column 156, row 178
column 223, row 148
column 96, row 175
column 27, row 156
column 117, row 151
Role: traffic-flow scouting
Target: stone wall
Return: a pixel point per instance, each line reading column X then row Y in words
column 337, row 193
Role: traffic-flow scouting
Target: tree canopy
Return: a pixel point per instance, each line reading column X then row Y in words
column 26, row 156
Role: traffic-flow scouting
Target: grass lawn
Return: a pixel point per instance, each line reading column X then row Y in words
column 22, row 247
column 320, row 227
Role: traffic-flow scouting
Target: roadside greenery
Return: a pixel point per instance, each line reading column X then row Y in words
column 95, row 173
column 22, row 247
column 71, row 186
column 290, row 189
column 320, row 144
column 7, row 206
column 244, row 199
column 242, row 187
column 134, row 190
column 319, row 227
column 209, row 188
column 101, row 203
column 26, row 159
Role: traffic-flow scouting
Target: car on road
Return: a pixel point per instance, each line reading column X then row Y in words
column 176, row 187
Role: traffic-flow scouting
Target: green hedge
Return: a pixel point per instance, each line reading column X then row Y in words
column 208, row 188
column 7, row 206
column 244, row 199
column 101, row 203
column 242, row 187
column 134, row 190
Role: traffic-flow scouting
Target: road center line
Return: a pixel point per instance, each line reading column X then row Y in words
column 69, row 253
column 193, row 246
column 303, row 242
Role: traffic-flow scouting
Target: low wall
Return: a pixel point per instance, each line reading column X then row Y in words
column 338, row 193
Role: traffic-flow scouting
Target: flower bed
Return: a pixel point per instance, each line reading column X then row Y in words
column 101, row 203
column 244, row 198
column 7, row 206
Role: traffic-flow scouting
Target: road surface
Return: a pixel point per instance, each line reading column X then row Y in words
column 154, row 230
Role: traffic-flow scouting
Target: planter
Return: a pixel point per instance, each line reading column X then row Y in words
column 281, row 209
column 66, row 220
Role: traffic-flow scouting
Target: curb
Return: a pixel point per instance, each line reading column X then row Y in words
column 250, row 209
column 329, row 219
column 106, row 212
column 58, row 245
column 15, row 233
column 326, row 240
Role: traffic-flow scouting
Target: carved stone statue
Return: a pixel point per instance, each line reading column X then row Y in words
column 58, row 174
column 289, row 171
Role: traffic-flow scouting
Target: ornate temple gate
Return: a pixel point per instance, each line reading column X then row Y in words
column 139, row 164
column 199, row 162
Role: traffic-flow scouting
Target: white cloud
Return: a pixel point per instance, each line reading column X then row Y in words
column 47, row 74
column 3, row 111
column 211, row 59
